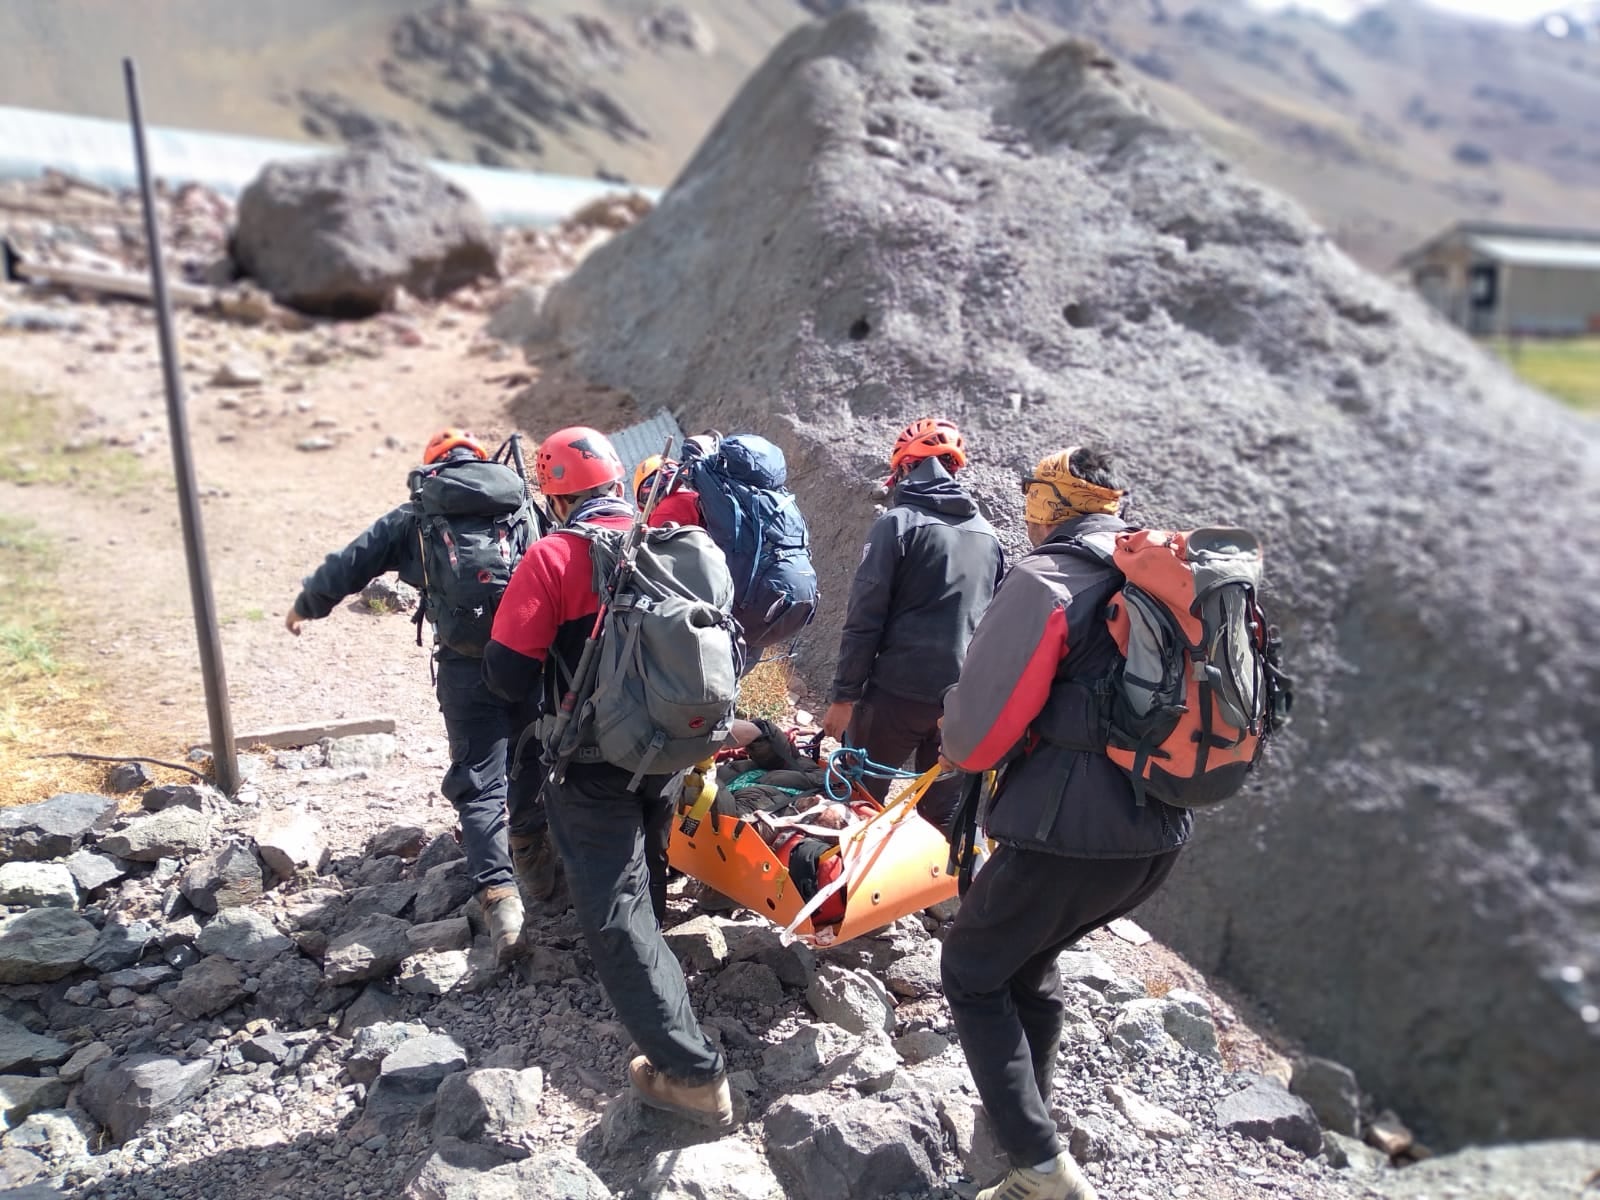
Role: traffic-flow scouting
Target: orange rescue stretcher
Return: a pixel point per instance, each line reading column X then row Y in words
column 894, row 862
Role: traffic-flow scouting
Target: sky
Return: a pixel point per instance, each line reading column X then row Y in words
column 1519, row 11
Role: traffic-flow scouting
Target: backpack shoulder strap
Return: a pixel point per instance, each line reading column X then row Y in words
column 1095, row 547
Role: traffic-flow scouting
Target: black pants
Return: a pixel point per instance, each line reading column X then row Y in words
column 891, row 730
column 481, row 728
column 999, row 971
column 613, row 843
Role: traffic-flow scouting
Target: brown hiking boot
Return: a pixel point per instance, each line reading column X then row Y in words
column 1065, row 1182
column 703, row 1103
column 502, row 909
column 534, row 860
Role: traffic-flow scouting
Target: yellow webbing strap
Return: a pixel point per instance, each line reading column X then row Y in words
column 705, row 774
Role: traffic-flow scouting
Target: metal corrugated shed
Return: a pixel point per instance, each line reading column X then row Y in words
column 1566, row 253
column 102, row 152
column 638, row 442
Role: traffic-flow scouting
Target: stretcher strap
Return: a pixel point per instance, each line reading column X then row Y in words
column 854, row 849
column 707, row 775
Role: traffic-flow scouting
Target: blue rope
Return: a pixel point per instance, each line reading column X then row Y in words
column 849, row 766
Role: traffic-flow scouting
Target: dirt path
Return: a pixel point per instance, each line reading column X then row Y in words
column 271, row 511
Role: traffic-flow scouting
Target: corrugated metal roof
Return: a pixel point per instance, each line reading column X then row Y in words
column 638, row 442
column 1541, row 252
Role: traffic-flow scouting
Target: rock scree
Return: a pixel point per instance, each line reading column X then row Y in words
column 906, row 212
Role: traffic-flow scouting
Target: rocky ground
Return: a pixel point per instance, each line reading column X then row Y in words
column 285, row 992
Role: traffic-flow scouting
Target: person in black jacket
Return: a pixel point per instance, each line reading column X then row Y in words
column 1075, row 848
column 927, row 572
column 479, row 723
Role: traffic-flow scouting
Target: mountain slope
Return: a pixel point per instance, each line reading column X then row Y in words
column 1386, row 129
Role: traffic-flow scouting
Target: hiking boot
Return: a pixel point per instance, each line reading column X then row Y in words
column 534, row 860
column 703, row 1103
column 1065, row 1182
column 502, row 909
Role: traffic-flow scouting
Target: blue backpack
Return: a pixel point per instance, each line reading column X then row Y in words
column 752, row 516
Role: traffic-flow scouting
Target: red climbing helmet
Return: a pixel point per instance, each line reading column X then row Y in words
column 574, row 460
column 928, row 437
column 450, row 439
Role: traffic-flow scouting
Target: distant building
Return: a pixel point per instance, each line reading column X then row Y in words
column 1511, row 280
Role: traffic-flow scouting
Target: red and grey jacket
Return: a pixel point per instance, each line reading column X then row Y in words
column 1022, row 689
column 548, row 608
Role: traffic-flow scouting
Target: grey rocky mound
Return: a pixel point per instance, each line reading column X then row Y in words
column 905, row 213
column 341, row 235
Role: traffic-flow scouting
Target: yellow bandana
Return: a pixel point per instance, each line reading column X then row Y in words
column 1054, row 494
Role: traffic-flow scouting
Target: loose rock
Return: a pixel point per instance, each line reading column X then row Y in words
column 23, row 1095
column 226, row 879
column 173, row 832
column 1266, row 1110
column 374, row 949
column 492, row 1105
column 126, row 1096
column 43, row 944
column 444, row 889
column 290, row 840
column 1149, row 1119
column 852, row 1000
column 1332, row 1091
column 243, row 935
column 22, row 1050
column 729, row 1169
column 208, row 987
column 872, row 1147
column 54, row 827
column 38, row 885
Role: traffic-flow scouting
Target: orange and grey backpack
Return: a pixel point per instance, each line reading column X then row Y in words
column 1200, row 688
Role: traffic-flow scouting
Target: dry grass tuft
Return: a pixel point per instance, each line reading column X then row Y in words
column 764, row 693
column 45, row 704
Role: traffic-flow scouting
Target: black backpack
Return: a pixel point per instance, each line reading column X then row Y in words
column 474, row 522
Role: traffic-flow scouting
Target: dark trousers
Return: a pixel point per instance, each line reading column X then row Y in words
column 999, row 971
column 481, row 727
column 613, row 843
column 891, row 730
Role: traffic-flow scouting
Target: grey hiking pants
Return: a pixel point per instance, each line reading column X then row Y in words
column 999, row 972
column 613, row 844
column 481, row 728
column 890, row 730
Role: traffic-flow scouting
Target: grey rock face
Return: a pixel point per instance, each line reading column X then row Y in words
column 403, row 841
column 852, row 1000
column 43, row 944
column 869, row 1066
column 226, row 879
column 1541, row 1171
column 1265, row 1110
column 183, row 795
column 1054, row 266
column 340, row 236
column 868, row 1148
column 372, row 950
column 729, row 1169
column 22, row 1050
column 120, row 944
column 802, row 1055
column 699, row 943
column 375, row 1042
column 434, row 972
column 1332, row 1092
column 1088, row 968
column 23, row 1095
column 171, row 833
column 290, row 840
column 454, row 933
column 442, row 849
column 492, row 1105
column 916, row 976
column 38, row 885
column 207, row 988
column 444, row 889
column 93, row 871
column 54, row 827
column 243, row 935
column 921, row 1045
column 288, row 990
column 126, row 1095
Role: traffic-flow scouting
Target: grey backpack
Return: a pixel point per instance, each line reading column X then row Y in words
column 670, row 655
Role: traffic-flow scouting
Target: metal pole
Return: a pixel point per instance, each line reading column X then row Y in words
column 224, row 757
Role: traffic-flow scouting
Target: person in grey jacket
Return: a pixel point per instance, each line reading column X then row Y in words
column 927, row 572
column 1075, row 850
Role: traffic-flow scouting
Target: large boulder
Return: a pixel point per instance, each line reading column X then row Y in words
column 856, row 1149
column 126, row 1095
column 907, row 212
column 341, row 235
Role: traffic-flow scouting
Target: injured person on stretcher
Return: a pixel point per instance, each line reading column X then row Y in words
column 768, row 791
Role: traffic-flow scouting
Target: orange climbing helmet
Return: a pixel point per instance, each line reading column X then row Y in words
column 450, row 439
column 645, row 473
column 575, row 459
column 928, row 437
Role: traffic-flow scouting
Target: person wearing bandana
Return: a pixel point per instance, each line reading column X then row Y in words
column 1074, row 849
